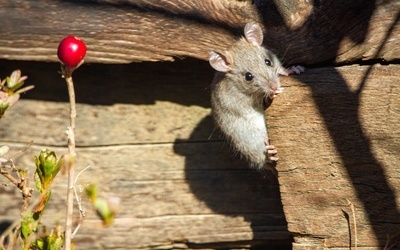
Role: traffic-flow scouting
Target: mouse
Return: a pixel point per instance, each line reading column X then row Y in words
column 244, row 85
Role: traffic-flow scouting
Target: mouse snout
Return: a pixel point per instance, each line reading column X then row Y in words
column 274, row 89
column 274, row 85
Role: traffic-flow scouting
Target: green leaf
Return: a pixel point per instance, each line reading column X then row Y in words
column 40, row 244
column 47, row 168
column 28, row 225
column 52, row 241
column 103, row 210
column 55, row 240
column 12, row 80
column 17, row 86
column 15, row 80
column 38, row 182
column 3, row 108
column 107, row 209
column 92, row 192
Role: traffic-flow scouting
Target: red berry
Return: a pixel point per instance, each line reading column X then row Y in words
column 71, row 51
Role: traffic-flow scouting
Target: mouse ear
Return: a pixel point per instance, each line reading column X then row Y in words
column 253, row 33
column 219, row 61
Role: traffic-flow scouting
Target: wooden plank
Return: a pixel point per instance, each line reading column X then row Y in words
column 334, row 144
column 179, row 189
column 123, row 31
column 117, row 104
column 194, row 195
column 337, row 135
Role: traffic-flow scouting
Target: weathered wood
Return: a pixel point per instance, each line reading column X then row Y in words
column 192, row 195
column 126, row 104
column 337, row 132
column 146, row 131
column 122, row 31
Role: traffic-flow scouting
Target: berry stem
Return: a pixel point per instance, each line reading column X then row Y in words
column 71, row 147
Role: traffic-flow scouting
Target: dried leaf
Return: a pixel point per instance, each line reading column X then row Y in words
column 44, row 198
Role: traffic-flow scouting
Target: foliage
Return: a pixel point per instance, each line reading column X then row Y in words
column 106, row 209
column 10, row 89
column 47, row 167
column 28, row 231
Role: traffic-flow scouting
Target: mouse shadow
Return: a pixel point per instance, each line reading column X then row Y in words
column 229, row 187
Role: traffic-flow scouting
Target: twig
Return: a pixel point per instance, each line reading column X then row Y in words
column 21, row 183
column 9, row 177
column 354, row 222
column 78, row 198
column 71, row 169
column 83, row 170
column 81, row 211
column 23, row 150
column 79, row 201
column 76, row 229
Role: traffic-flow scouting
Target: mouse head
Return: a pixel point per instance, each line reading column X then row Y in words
column 252, row 68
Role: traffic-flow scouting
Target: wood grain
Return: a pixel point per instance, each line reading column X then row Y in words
column 118, row 31
column 149, row 140
column 337, row 133
column 146, row 131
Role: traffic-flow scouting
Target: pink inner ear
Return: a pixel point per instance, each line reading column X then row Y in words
column 253, row 33
column 219, row 61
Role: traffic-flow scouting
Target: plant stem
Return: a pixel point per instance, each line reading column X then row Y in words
column 71, row 169
column 22, row 184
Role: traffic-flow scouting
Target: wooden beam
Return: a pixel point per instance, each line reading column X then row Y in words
column 337, row 134
column 147, row 133
column 145, row 129
column 126, row 31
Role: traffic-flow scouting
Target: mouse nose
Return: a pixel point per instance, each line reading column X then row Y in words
column 274, row 85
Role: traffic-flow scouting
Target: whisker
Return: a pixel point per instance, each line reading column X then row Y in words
column 287, row 49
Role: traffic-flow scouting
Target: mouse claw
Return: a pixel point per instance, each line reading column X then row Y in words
column 273, row 158
column 298, row 69
column 271, row 150
column 293, row 70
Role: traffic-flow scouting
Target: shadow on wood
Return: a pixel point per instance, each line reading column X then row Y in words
column 329, row 31
column 228, row 186
column 340, row 113
column 145, row 128
column 108, row 84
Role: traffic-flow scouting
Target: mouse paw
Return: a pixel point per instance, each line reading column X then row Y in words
column 271, row 153
column 293, row 70
column 271, row 150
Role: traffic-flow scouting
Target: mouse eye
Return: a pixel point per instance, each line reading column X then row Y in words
column 249, row 76
column 268, row 62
